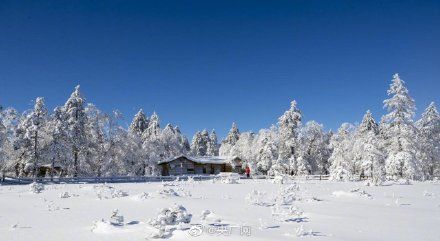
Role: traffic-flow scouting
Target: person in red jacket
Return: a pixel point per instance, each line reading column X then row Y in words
column 248, row 171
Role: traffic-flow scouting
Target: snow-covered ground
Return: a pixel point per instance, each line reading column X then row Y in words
column 248, row 210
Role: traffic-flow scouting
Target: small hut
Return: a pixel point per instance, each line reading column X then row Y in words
column 185, row 165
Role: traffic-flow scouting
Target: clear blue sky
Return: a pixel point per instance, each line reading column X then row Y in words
column 205, row 64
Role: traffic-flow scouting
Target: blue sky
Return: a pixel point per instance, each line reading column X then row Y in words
column 205, row 64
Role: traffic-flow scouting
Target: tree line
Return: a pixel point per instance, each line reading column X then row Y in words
column 84, row 141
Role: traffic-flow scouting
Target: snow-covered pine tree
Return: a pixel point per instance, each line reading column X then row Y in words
column 229, row 142
column 5, row 148
column 76, row 119
column 136, row 129
column 171, row 139
column 152, row 145
column 342, row 155
column 243, row 148
column 368, row 155
column 429, row 140
column 9, row 122
column 183, row 141
column 212, row 149
column 204, row 142
column 266, row 151
column 288, row 125
column 95, row 152
column 153, row 130
column 58, row 149
column 313, row 150
column 399, row 133
column 199, row 144
column 31, row 132
column 139, row 124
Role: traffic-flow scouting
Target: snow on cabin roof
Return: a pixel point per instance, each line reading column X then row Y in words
column 203, row 159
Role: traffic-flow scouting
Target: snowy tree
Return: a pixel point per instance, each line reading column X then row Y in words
column 116, row 141
column 5, row 149
column 153, row 130
column 399, row 133
column 139, row 124
column 183, row 141
column 288, row 125
column 32, row 136
column 243, row 148
column 341, row 167
column 429, row 139
column 95, row 152
column 152, row 145
column 313, row 151
column 229, row 142
column 8, row 125
column 75, row 116
column 212, row 149
column 172, row 141
column 369, row 159
column 58, row 148
column 199, row 144
column 266, row 148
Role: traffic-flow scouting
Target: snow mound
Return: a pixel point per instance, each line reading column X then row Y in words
column 287, row 195
column 288, row 214
column 105, row 191
column 36, row 187
column 210, row 217
column 67, row 195
column 141, row 196
column 170, row 219
column 256, row 197
column 228, row 178
column 190, row 180
column 116, row 193
column 168, row 193
column 280, row 179
column 428, row 194
column 116, row 220
column 404, row 182
column 357, row 192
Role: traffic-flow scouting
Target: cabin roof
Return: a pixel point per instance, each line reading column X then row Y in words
column 203, row 159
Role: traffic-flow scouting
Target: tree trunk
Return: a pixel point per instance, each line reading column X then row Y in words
column 75, row 163
column 36, row 155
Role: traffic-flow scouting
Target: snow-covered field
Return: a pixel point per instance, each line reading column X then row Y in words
column 249, row 210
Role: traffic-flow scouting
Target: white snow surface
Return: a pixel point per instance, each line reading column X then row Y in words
column 330, row 211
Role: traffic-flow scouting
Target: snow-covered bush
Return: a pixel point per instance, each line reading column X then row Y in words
column 36, row 187
column 167, row 192
column 404, row 181
column 229, row 178
column 287, row 195
column 116, row 193
column 289, row 213
column 280, row 179
column 256, row 197
column 116, row 221
column 142, row 196
column 361, row 193
column 170, row 219
column 65, row 195
column 357, row 192
column 210, row 217
column 105, row 191
column 116, row 218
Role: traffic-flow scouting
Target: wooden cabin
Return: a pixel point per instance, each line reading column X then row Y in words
column 42, row 170
column 186, row 165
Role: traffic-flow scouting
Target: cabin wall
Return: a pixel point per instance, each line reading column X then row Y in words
column 184, row 166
